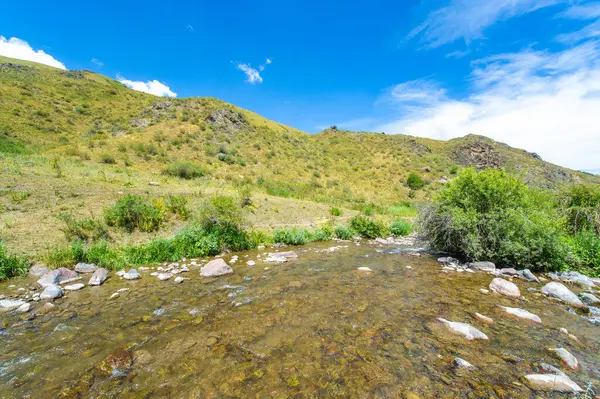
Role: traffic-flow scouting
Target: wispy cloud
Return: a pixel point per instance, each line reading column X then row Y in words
column 252, row 74
column 584, row 11
column 467, row 19
column 97, row 62
column 542, row 101
column 590, row 11
column 189, row 27
column 21, row 50
column 153, row 87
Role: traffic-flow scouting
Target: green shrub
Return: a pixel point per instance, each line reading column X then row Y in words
column 83, row 229
column 414, row 181
column 258, row 237
column 344, row 233
column 293, row 236
column 184, row 170
column 581, row 206
column 134, row 212
column 324, row 233
column 107, row 159
column 367, row 227
column 400, row 228
column 223, row 216
column 335, row 211
column 369, row 210
column 11, row 265
column 453, row 169
column 586, row 248
column 177, row 204
column 493, row 216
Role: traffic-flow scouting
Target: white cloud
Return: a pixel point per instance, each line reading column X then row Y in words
column 21, row 50
column 97, row 62
column 153, row 87
column 585, row 11
column 582, row 12
column 252, row 74
column 414, row 93
column 467, row 19
column 189, row 27
column 268, row 61
column 540, row 101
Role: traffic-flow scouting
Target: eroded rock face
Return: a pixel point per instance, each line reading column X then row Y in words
column 214, row 268
column 562, row 293
column 552, row 383
column 505, row 287
column 99, row 277
column 58, row 276
column 467, row 331
column 481, row 155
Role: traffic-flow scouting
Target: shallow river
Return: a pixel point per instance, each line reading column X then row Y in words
column 312, row 327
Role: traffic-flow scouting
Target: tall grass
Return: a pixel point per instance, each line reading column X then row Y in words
column 11, row 265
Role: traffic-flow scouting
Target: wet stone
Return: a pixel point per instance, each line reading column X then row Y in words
column 505, row 287
column 522, row 314
column 85, row 268
column 552, row 383
column 567, row 359
column 562, row 293
column 51, row 292
column 132, row 275
column 467, row 331
column 215, row 268
column 99, row 277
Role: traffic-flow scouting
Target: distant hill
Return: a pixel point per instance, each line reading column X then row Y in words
column 81, row 115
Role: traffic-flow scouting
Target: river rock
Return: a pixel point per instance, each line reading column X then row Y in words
column 364, row 269
column 74, row 287
column 132, row 275
column 99, row 277
column 573, row 278
column 45, row 309
column 251, row 263
column 553, row 383
column 216, row 267
column 164, row 276
column 24, row 308
column 551, row 369
column 505, row 287
column 118, row 362
column 559, row 291
column 58, row 276
column 484, row 319
column 589, row 299
column 462, row 364
column 567, row 359
column 10, row 304
column 85, row 268
column 485, row 266
column 449, row 261
column 464, row 329
column 51, row 292
column 522, row 314
column 508, row 271
column 38, row 270
column 179, row 279
column 527, row 275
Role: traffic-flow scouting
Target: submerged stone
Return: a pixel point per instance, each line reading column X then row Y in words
column 562, row 293
column 74, row 287
column 467, row 331
column 484, row 319
column 522, row 314
column 567, row 359
column 552, row 383
column 132, row 275
column 51, row 292
column 10, row 304
column 589, row 299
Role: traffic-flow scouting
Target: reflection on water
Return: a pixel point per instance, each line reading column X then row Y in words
column 312, row 327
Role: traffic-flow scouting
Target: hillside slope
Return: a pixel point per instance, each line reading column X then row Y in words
column 74, row 141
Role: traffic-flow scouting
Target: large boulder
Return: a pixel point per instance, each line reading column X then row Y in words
column 99, row 277
column 58, row 276
column 505, row 287
column 485, row 266
column 85, row 268
column 562, row 293
column 216, row 267
column 51, row 292
column 527, row 275
column 574, row 278
column 552, row 383
column 566, row 358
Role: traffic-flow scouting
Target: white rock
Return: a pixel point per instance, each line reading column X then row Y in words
column 484, row 291
column 132, row 275
column 559, row 291
column 51, row 292
column 10, row 304
column 164, row 276
column 522, row 314
column 251, row 263
column 74, row 287
column 99, row 277
column 364, row 269
column 467, row 331
column 115, row 295
column 566, row 357
column 484, row 319
column 24, row 308
column 505, row 287
column 462, row 364
column 179, row 279
column 552, row 382
column 216, row 267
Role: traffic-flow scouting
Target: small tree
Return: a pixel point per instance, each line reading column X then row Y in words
column 414, row 181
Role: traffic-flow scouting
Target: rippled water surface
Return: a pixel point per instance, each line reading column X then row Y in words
column 313, row 327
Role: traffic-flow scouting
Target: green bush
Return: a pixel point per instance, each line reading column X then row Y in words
column 493, row 216
column 586, row 248
column 344, row 233
column 184, row 170
column 335, row 211
column 293, row 236
column 108, row 159
column 581, row 206
column 134, row 212
column 177, row 204
column 367, row 227
column 222, row 215
column 324, row 233
column 11, row 265
column 83, row 229
column 401, row 228
column 414, row 181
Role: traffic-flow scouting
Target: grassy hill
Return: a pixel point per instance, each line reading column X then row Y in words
column 75, row 141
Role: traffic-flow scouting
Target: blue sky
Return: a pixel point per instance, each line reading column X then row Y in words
column 523, row 72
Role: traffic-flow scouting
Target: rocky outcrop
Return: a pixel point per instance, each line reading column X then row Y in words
column 478, row 154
